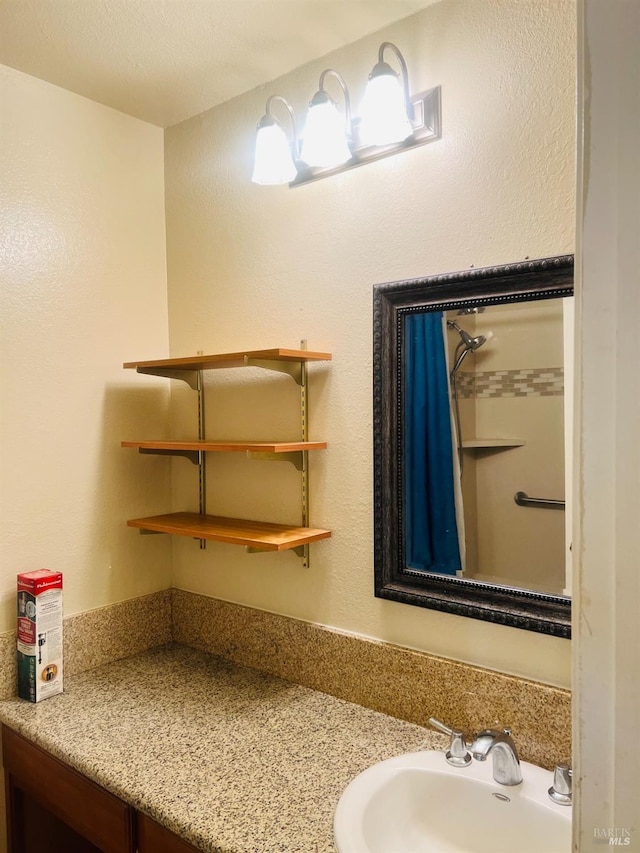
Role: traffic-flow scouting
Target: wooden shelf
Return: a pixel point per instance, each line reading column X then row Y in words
column 229, row 359
column 255, row 535
column 228, row 446
column 488, row 443
column 260, row 535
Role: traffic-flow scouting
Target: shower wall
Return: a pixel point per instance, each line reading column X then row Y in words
column 512, row 389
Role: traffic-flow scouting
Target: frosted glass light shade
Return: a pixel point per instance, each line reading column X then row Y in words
column 273, row 161
column 324, row 141
column 384, row 117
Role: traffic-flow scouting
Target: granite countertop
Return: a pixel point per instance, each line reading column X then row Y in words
column 229, row 758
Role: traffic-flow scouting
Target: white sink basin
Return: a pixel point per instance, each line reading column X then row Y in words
column 417, row 803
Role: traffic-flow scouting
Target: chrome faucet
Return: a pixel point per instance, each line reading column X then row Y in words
column 457, row 754
column 561, row 790
column 500, row 745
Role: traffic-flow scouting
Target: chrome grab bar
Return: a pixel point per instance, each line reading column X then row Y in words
column 523, row 499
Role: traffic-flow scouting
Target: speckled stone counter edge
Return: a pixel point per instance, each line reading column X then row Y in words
column 227, row 757
column 97, row 637
column 403, row 683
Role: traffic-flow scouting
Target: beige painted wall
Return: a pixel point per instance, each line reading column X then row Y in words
column 256, row 266
column 82, row 267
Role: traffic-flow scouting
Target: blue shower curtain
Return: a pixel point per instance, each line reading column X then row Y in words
column 431, row 532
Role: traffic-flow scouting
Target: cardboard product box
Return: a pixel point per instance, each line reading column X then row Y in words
column 39, row 634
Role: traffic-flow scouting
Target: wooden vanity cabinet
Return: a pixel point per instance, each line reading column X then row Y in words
column 51, row 808
column 154, row 838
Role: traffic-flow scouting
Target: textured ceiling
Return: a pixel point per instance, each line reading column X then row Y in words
column 166, row 60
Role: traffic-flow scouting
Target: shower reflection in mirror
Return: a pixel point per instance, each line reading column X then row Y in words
column 484, row 419
column 467, row 344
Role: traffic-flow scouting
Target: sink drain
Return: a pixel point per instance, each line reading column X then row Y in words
column 502, row 797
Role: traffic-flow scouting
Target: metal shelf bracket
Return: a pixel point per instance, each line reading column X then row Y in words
column 300, row 551
column 303, row 552
column 192, row 455
column 293, row 456
column 291, row 368
column 188, row 376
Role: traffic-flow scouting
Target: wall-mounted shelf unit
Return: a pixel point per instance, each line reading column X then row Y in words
column 258, row 535
column 255, row 535
column 286, row 451
column 495, row 443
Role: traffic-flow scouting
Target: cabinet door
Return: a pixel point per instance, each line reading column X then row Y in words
column 153, row 838
column 48, row 800
column 34, row 829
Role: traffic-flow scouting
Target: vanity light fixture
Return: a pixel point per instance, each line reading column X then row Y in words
column 274, row 158
column 327, row 133
column 386, row 106
column 392, row 120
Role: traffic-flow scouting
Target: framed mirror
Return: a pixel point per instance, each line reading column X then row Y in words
column 470, row 432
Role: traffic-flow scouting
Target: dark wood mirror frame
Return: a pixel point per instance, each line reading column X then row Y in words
column 546, row 278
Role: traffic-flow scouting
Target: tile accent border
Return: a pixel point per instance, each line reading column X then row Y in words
column 97, row 637
column 527, row 382
column 403, row 683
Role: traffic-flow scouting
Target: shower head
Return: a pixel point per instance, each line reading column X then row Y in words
column 469, row 343
column 472, row 343
column 466, row 345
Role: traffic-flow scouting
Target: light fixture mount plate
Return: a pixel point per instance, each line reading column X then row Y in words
column 427, row 127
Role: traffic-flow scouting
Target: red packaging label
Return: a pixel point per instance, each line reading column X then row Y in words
column 26, row 631
column 39, row 581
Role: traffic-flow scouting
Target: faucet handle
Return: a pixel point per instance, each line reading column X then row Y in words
column 457, row 754
column 561, row 790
